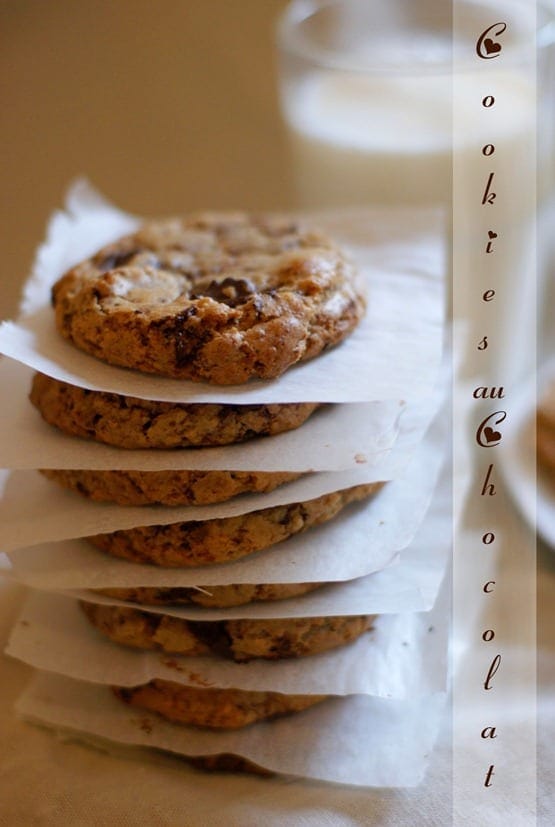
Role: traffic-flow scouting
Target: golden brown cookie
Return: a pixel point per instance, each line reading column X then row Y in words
column 214, row 297
column 166, row 487
column 239, row 640
column 212, row 708
column 203, row 542
column 129, row 422
column 217, row 597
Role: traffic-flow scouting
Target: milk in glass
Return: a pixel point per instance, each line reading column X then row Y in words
column 358, row 138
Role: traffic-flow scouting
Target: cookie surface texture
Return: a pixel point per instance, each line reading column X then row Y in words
column 238, row 640
column 212, row 708
column 214, row 297
column 217, row 597
column 221, row 540
column 129, row 422
column 166, row 487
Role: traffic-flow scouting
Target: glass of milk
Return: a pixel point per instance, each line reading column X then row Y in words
column 382, row 99
column 367, row 94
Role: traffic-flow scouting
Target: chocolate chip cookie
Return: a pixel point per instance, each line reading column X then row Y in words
column 129, row 422
column 213, row 297
column 212, row 708
column 238, row 640
column 203, row 542
column 215, row 597
column 166, row 487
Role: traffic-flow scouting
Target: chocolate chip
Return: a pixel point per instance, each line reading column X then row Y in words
column 230, row 291
column 176, row 329
column 214, row 635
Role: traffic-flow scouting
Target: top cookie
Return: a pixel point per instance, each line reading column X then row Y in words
column 213, row 297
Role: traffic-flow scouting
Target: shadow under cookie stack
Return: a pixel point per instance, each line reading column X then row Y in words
column 192, row 580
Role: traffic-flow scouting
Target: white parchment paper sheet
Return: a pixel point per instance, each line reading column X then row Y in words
column 404, row 655
column 372, row 532
column 336, row 437
column 392, row 354
column 35, row 510
column 411, row 584
column 356, row 740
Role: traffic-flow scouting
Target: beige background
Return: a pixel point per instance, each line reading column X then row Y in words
column 166, row 105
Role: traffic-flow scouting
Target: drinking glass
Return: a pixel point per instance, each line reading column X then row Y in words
column 382, row 104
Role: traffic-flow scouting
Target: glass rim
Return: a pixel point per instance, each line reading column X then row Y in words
column 289, row 40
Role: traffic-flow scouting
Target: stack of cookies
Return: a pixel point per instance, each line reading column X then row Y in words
column 223, row 299
column 225, row 302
